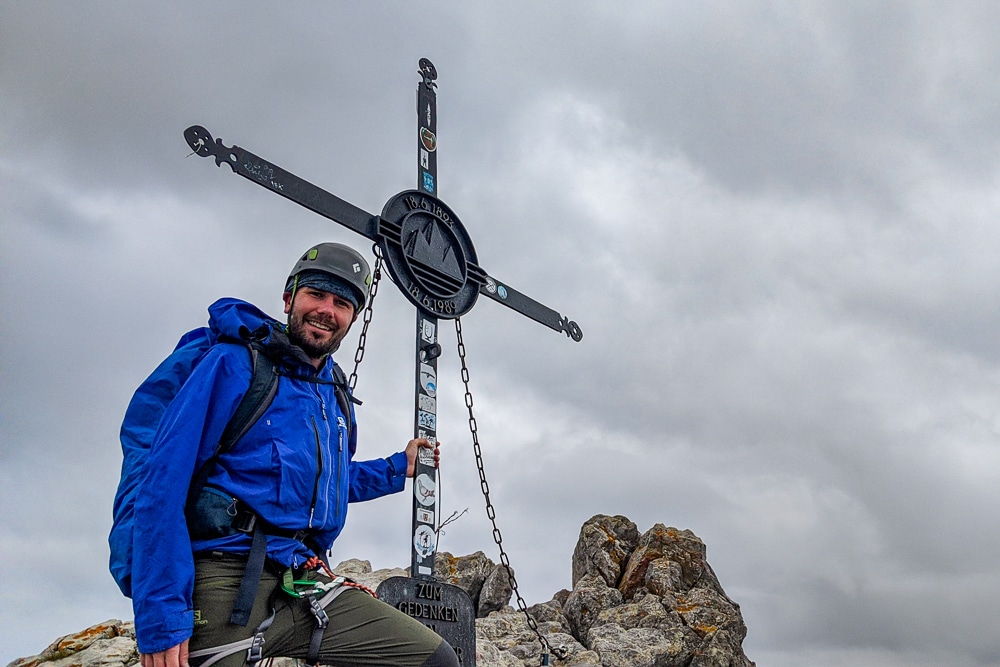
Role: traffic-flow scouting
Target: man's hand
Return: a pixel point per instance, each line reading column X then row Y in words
column 176, row 656
column 411, row 460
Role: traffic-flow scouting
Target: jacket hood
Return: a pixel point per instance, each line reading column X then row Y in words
column 240, row 320
column 228, row 317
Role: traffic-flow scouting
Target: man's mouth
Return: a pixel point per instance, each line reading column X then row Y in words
column 323, row 326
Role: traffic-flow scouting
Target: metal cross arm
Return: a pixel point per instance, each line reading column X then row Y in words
column 525, row 305
column 427, row 249
column 276, row 179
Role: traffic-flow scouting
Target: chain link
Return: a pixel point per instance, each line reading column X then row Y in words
column 559, row 652
column 366, row 319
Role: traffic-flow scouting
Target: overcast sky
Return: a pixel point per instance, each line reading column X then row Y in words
column 776, row 223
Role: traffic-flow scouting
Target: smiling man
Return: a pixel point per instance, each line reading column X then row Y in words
column 322, row 297
column 233, row 571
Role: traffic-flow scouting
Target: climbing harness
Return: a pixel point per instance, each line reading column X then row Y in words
column 318, row 594
column 308, row 590
column 559, row 651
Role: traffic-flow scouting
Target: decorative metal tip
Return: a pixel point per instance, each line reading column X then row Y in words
column 428, row 71
column 571, row 329
column 201, row 143
column 199, row 139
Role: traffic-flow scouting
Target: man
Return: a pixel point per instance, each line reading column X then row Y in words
column 289, row 477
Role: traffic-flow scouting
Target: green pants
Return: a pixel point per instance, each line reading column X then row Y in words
column 361, row 631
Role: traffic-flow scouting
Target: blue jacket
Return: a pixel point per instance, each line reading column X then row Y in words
column 294, row 467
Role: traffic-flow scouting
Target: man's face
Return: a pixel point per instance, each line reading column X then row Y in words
column 318, row 321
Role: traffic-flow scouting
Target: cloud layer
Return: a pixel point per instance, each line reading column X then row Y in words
column 774, row 223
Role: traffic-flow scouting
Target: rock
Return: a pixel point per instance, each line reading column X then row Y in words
column 603, row 547
column 486, row 582
column 680, row 547
column 488, row 655
column 495, row 593
column 361, row 572
column 108, row 644
column 640, row 647
column 510, row 633
column 673, row 610
column 637, row 600
column 589, row 597
column 353, row 567
column 550, row 611
column 467, row 572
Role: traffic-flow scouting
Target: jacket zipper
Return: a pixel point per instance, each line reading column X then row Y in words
column 319, row 470
column 340, row 465
column 336, row 465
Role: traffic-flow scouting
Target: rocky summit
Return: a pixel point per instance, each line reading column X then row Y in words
column 638, row 600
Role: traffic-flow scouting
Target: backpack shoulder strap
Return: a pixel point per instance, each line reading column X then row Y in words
column 255, row 402
column 263, row 387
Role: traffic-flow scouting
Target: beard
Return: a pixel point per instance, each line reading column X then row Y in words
column 315, row 346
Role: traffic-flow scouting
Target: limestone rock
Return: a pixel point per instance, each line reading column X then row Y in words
column 589, row 597
column 510, row 633
column 637, row 600
column 681, row 547
column 603, row 548
column 108, row 644
column 467, row 572
column 495, row 593
column 353, row 567
column 361, row 572
column 486, row 582
column 488, row 655
column 673, row 610
column 640, row 647
column 551, row 611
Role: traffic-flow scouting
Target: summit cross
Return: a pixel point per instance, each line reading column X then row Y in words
column 430, row 256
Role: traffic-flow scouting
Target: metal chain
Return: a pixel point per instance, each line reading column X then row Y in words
column 366, row 319
column 559, row 652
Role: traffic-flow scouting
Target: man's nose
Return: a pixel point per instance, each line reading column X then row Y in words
column 327, row 305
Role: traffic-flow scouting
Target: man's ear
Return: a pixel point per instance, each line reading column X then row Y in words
column 287, row 298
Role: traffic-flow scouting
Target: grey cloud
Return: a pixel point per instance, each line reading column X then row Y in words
column 773, row 223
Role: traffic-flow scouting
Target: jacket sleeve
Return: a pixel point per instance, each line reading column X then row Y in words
column 163, row 565
column 377, row 478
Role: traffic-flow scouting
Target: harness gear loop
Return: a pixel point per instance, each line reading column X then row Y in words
column 561, row 651
column 256, row 651
column 322, row 620
column 316, row 640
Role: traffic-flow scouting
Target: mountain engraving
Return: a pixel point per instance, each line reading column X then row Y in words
column 433, row 253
